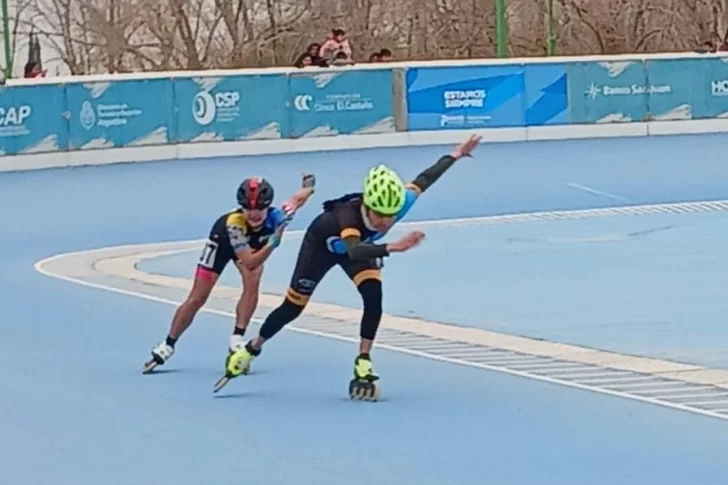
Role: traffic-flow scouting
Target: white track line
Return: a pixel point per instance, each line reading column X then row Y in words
column 486, row 347
column 593, row 191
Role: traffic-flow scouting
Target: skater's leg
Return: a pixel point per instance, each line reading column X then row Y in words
column 367, row 277
column 297, row 297
column 312, row 265
column 313, row 262
column 287, row 312
column 238, row 362
column 184, row 315
column 247, row 303
column 368, row 280
column 371, row 293
column 201, row 288
column 211, row 264
column 369, row 283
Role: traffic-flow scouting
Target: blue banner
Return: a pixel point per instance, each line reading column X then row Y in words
column 46, row 118
column 700, row 87
column 120, row 113
column 32, row 120
column 547, row 100
column 713, row 89
column 609, row 92
column 231, row 108
column 672, row 92
column 341, row 103
column 459, row 98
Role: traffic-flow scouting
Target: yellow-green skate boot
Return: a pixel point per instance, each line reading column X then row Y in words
column 365, row 385
column 237, row 364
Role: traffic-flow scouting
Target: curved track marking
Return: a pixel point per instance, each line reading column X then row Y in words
column 669, row 384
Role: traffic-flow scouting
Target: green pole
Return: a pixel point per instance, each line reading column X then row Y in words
column 551, row 39
column 500, row 28
column 6, row 39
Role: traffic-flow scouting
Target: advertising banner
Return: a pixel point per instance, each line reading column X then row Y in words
column 546, row 97
column 341, row 103
column 710, row 91
column 609, row 92
column 457, row 98
column 32, row 120
column 231, row 108
column 681, row 82
column 120, row 113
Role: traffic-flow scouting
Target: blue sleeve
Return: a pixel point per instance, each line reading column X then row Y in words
column 276, row 217
column 409, row 200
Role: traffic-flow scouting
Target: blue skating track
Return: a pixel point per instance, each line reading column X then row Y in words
column 564, row 323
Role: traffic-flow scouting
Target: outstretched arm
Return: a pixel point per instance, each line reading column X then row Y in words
column 358, row 250
column 431, row 174
column 299, row 198
column 246, row 256
column 251, row 259
column 361, row 251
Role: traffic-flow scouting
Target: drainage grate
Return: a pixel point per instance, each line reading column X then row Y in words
column 703, row 399
column 114, row 269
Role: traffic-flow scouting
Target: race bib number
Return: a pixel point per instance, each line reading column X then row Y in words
column 207, row 258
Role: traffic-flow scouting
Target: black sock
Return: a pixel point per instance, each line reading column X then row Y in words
column 239, row 331
column 171, row 341
column 249, row 348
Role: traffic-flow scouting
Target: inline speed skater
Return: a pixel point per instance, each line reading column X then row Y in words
column 247, row 235
column 344, row 235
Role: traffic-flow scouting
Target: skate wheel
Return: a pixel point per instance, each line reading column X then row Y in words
column 364, row 391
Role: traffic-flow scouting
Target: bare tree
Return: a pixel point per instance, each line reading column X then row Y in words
column 123, row 35
column 18, row 33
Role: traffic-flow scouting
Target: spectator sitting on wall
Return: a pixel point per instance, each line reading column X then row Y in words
column 341, row 60
column 384, row 55
column 723, row 47
column 706, row 48
column 304, row 60
column 32, row 69
column 337, row 44
column 314, row 51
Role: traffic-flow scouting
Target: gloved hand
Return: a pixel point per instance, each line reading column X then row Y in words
column 289, row 210
column 275, row 239
column 308, row 181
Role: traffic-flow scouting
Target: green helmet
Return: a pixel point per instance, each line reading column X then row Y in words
column 384, row 191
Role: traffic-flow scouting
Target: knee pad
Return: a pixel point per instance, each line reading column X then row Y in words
column 371, row 293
